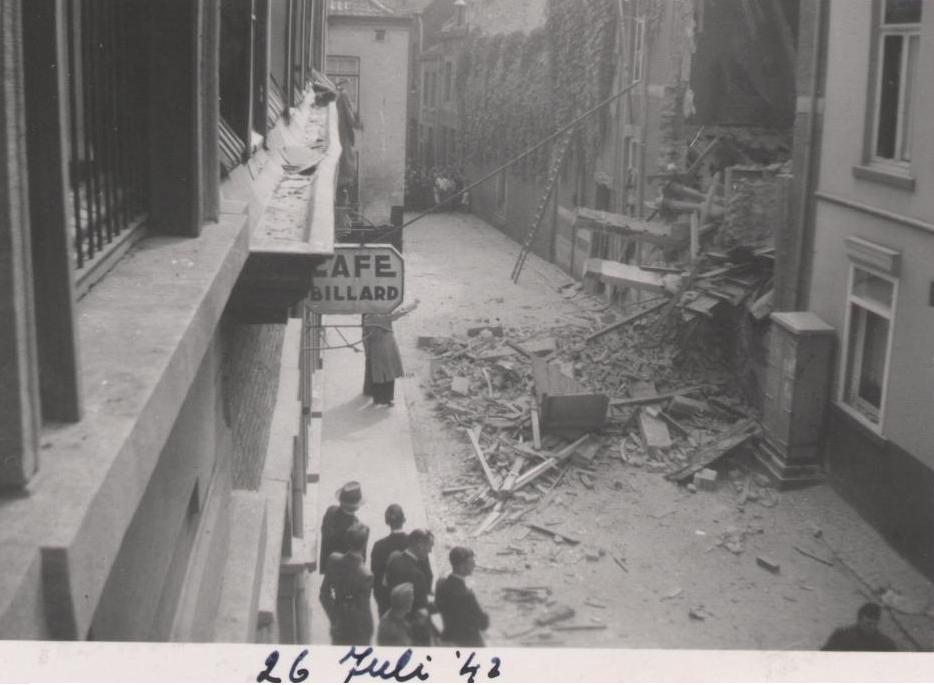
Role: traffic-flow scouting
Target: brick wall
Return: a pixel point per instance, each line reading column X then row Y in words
column 251, row 380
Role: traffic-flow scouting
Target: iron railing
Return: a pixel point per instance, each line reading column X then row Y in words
column 107, row 102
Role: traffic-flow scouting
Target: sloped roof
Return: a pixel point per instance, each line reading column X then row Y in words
column 359, row 8
column 407, row 6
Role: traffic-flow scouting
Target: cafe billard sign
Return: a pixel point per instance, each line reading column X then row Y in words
column 358, row 279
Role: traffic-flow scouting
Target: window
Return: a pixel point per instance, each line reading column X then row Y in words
column 345, row 72
column 380, row 35
column 107, row 132
column 425, row 85
column 638, row 50
column 871, row 308
column 899, row 43
column 448, row 80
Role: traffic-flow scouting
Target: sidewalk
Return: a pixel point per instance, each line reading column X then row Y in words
column 370, row 444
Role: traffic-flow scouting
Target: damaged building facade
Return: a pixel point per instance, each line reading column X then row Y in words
column 869, row 250
column 165, row 191
column 716, row 180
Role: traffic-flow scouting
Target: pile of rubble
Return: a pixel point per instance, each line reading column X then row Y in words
column 538, row 407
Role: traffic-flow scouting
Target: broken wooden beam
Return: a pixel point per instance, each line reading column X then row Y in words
column 552, row 533
column 455, row 490
column 534, row 473
column 474, row 435
column 709, row 453
column 629, row 276
column 635, row 316
column 580, row 626
column 631, row 228
column 686, row 407
column 536, row 431
column 513, row 474
column 653, row 399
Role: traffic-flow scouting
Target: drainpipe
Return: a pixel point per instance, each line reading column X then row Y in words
column 813, row 26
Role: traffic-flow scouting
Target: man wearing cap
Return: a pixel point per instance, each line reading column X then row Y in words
column 345, row 591
column 410, row 566
column 462, row 615
column 394, row 628
column 862, row 636
column 337, row 519
column 396, row 541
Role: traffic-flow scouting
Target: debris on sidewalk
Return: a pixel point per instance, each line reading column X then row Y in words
column 560, row 612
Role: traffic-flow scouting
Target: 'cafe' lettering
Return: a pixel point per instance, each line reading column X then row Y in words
column 358, row 279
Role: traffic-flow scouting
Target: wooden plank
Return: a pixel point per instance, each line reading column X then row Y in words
column 635, row 316
column 656, row 233
column 474, row 436
column 709, row 453
column 695, row 236
column 536, row 431
column 490, row 519
column 513, row 474
column 572, row 448
column 652, row 399
column 552, row 533
column 534, row 473
column 627, row 275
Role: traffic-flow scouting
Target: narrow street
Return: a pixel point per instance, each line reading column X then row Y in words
column 680, row 587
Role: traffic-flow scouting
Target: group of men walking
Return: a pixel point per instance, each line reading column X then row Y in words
column 399, row 578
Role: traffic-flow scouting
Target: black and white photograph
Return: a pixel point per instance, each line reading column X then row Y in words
column 401, row 333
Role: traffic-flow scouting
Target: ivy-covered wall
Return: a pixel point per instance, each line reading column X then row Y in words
column 518, row 88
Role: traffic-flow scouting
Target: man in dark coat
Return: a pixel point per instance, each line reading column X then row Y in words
column 462, row 615
column 337, row 519
column 862, row 636
column 345, row 591
column 396, row 541
column 394, row 627
column 410, row 566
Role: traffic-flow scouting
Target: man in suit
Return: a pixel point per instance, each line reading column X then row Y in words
column 412, row 566
column 462, row 615
column 862, row 636
column 396, row 541
column 394, row 627
column 345, row 591
column 337, row 519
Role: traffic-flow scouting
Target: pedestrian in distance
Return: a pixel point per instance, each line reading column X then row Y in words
column 463, row 618
column 412, row 566
column 383, row 361
column 345, row 591
column 862, row 636
column 396, row 541
column 337, row 519
column 394, row 627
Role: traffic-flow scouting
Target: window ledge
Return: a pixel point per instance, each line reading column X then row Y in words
column 295, row 231
column 858, row 421
column 142, row 331
column 885, row 176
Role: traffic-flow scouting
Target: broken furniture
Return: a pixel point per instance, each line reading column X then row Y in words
column 563, row 403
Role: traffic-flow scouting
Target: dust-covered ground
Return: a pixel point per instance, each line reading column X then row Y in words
column 679, row 588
